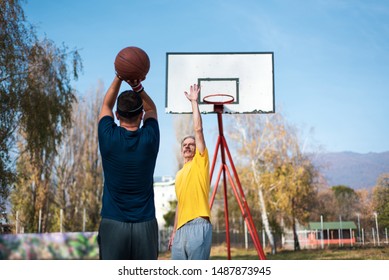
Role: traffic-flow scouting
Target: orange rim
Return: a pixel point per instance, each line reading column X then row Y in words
column 228, row 101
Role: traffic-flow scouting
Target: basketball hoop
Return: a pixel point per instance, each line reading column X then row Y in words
column 218, row 99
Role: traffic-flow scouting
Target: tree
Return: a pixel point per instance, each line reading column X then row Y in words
column 249, row 131
column 283, row 177
column 364, row 210
column 381, row 200
column 347, row 201
column 76, row 178
column 35, row 95
column 78, row 168
column 295, row 191
column 89, row 175
column 13, row 40
column 23, row 197
column 294, row 181
column 326, row 206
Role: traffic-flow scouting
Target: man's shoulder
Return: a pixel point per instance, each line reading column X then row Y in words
column 105, row 126
column 204, row 154
column 150, row 121
column 106, row 119
column 151, row 124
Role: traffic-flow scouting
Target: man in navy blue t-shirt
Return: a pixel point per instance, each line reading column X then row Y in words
column 128, row 228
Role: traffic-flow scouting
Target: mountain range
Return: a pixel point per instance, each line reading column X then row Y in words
column 355, row 170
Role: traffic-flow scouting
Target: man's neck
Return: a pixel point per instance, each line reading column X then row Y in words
column 130, row 127
column 187, row 160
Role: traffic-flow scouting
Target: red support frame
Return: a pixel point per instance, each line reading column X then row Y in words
column 221, row 145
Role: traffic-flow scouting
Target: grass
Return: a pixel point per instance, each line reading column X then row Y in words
column 355, row 253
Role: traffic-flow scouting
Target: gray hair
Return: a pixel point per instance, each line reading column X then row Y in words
column 186, row 137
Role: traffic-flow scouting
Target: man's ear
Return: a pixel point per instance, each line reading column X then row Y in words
column 117, row 115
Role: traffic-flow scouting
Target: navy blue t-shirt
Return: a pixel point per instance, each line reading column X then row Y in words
column 128, row 159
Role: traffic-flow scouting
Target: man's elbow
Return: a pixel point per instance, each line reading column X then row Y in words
column 198, row 129
column 150, row 114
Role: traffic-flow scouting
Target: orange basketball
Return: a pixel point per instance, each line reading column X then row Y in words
column 132, row 63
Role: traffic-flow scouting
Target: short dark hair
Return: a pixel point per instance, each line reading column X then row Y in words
column 129, row 104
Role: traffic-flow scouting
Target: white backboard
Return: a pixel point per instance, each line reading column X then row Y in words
column 248, row 77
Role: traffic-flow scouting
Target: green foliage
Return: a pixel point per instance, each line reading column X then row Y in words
column 46, row 103
column 23, row 196
column 75, row 178
column 53, row 246
column 381, row 200
column 169, row 216
column 347, row 201
column 35, row 96
column 83, row 247
column 37, row 110
column 13, row 39
column 8, row 246
column 342, row 191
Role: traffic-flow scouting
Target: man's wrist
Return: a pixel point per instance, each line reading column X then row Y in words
column 138, row 88
column 117, row 76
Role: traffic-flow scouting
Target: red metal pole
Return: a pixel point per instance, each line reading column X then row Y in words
column 215, row 189
column 250, row 219
column 211, row 173
column 223, row 164
column 221, row 142
column 214, row 157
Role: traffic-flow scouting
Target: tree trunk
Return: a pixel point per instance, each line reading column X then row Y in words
column 295, row 235
column 265, row 221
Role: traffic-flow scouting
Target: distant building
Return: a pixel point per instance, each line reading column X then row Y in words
column 318, row 235
column 164, row 192
column 338, row 233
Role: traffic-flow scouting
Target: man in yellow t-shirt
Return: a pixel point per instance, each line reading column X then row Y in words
column 192, row 235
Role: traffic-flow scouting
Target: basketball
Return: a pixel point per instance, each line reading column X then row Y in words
column 132, row 63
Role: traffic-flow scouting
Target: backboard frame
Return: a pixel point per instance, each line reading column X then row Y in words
column 224, row 69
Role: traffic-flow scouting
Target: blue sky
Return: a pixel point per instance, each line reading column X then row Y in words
column 331, row 57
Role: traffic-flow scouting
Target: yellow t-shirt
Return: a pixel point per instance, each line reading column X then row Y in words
column 192, row 189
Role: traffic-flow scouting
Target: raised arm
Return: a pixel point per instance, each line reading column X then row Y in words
column 197, row 121
column 148, row 106
column 110, row 98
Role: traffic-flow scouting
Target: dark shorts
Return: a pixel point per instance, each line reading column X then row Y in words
column 128, row 241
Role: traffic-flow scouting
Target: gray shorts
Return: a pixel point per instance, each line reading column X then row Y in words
column 128, row 241
column 193, row 241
